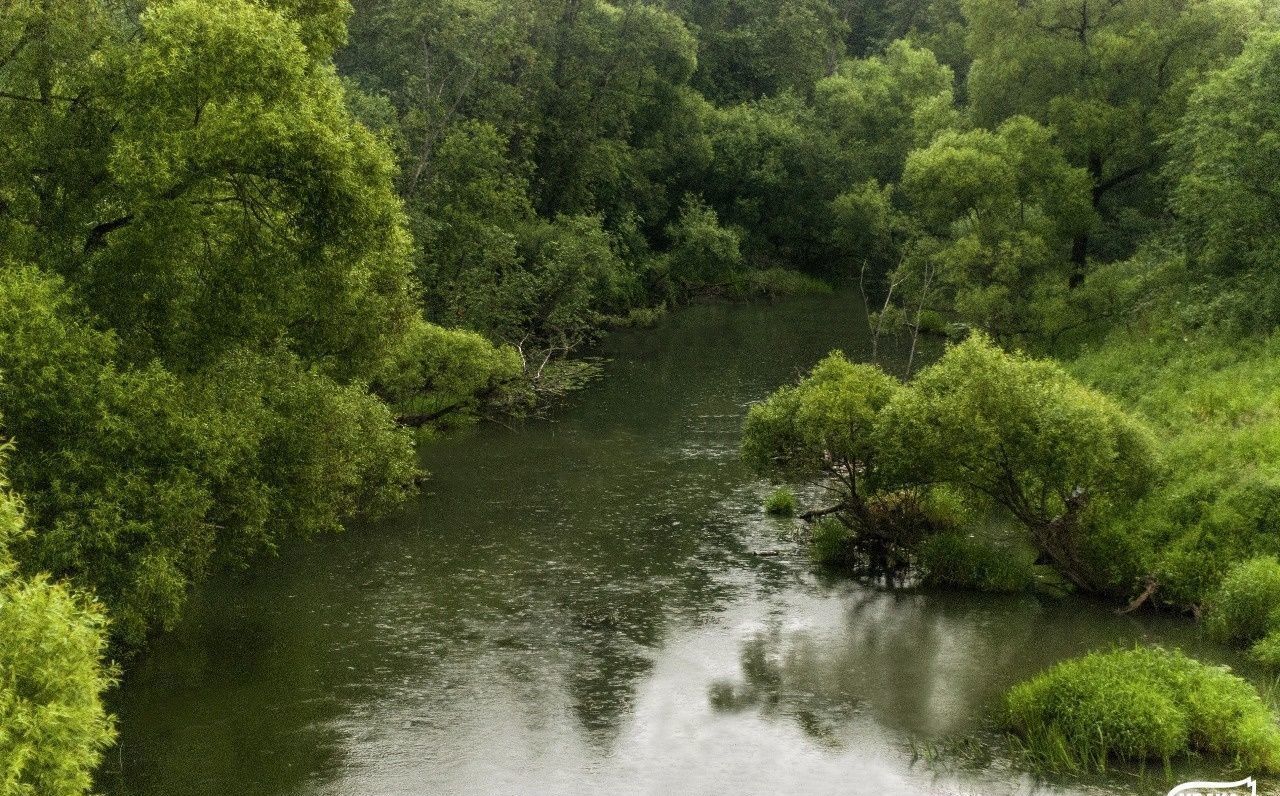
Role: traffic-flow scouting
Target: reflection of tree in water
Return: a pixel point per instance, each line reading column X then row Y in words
column 249, row 682
column 923, row 666
column 770, row 685
column 613, row 620
column 612, row 636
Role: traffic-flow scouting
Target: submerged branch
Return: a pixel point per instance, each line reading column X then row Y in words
column 810, row 516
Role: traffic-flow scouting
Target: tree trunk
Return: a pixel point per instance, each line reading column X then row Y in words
column 1057, row 541
column 1080, row 246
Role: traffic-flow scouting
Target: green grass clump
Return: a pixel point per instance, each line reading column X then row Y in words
column 782, row 503
column 1137, row 705
column 958, row 560
column 831, row 543
column 638, row 317
column 779, row 283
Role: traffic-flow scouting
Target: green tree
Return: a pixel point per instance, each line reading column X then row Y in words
column 750, row 49
column 234, row 273
column 773, row 173
column 827, row 429
column 440, row 64
column 997, row 212
column 1021, row 433
column 1224, row 170
column 1111, row 78
column 240, row 196
column 137, row 481
column 617, row 83
column 868, row 228
column 703, row 253
column 886, row 105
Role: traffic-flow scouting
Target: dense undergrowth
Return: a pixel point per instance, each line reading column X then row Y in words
column 1214, row 403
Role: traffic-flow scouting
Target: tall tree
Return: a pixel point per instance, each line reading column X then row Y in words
column 1111, row 77
column 204, row 268
column 1225, row 170
column 996, row 213
column 750, row 49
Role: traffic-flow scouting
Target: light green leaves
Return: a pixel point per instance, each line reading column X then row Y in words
column 827, row 422
column 53, row 726
column 1001, row 429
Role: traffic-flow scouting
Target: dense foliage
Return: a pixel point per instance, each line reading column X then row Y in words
column 995, row 430
column 247, row 247
column 52, row 676
column 1022, row 434
column 1141, row 704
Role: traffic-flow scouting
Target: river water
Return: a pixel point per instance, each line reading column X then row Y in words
column 578, row 606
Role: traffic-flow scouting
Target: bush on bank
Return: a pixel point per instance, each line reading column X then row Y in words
column 1245, row 609
column 53, row 726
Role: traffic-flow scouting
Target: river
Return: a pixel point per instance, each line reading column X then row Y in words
column 577, row 606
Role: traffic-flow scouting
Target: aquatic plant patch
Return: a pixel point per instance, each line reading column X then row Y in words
column 1138, row 705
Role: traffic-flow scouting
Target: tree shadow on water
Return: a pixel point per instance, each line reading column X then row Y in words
column 776, row 685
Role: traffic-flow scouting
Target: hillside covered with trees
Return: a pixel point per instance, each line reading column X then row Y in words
column 253, row 251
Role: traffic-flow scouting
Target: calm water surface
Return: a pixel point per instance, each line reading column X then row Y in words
column 578, row 606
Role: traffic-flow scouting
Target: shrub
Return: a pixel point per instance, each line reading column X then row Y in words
column 52, row 642
column 782, row 503
column 831, row 543
column 53, row 726
column 964, row 561
column 1267, row 650
column 1246, row 606
column 703, row 252
column 1137, row 705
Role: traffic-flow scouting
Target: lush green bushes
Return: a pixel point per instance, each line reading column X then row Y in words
column 1144, row 704
column 1212, row 401
column 831, row 544
column 137, row 480
column 1021, row 433
column 826, row 428
column 53, row 727
column 1245, row 608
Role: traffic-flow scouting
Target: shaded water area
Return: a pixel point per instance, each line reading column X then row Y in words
column 578, row 606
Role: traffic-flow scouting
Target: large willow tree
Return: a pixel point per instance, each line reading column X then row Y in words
column 204, row 280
